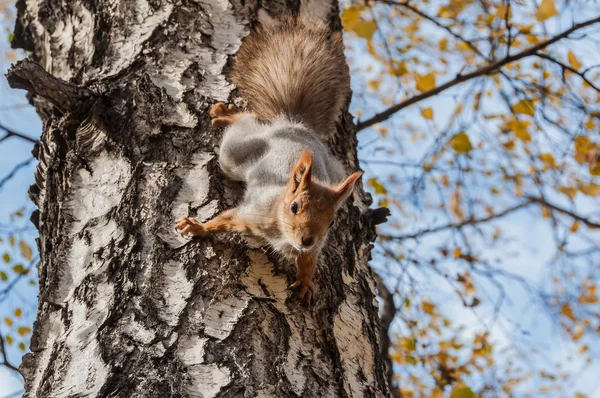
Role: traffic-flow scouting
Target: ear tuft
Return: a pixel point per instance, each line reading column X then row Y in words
column 345, row 189
column 302, row 172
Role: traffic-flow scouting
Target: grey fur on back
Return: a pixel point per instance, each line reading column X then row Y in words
column 263, row 155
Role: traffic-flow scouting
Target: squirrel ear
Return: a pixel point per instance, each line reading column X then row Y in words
column 302, row 172
column 342, row 191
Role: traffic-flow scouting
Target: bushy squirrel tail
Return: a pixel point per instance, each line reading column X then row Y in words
column 296, row 69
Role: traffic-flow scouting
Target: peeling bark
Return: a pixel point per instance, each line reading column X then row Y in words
column 127, row 308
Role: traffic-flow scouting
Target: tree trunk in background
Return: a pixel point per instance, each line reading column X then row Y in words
column 127, row 308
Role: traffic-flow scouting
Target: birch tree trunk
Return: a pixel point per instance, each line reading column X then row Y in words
column 128, row 308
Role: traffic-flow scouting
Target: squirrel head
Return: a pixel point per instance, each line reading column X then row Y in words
column 308, row 207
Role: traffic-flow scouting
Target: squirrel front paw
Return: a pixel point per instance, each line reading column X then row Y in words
column 306, row 290
column 191, row 226
column 222, row 115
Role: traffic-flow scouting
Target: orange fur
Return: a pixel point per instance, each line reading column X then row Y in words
column 223, row 116
column 228, row 221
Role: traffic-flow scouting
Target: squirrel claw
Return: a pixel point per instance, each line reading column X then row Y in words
column 222, row 115
column 306, row 292
column 189, row 225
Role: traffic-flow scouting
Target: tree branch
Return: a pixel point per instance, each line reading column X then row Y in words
column 29, row 75
column 431, row 19
column 5, row 361
column 388, row 314
column 14, row 171
column 575, row 216
column 483, row 71
column 569, row 68
column 470, row 221
column 11, row 133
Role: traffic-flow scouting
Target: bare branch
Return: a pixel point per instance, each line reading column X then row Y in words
column 387, row 316
column 14, row 171
column 483, row 71
column 12, row 133
column 569, row 68
column 437, row 23
column 5, row 360
column 459, row 225
column 29, row 75
column 575, row 216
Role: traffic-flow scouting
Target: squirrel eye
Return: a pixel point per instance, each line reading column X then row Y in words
column 332, row 222
column 294, row 207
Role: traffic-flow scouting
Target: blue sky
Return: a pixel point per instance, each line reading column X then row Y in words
column 533, row 242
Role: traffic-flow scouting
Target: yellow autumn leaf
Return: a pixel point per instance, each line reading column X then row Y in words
column 11, row 240
column 443, row 44
column 23, row 330
column 525, row 107
column 509, row 145
column 520, row 128
column 546, row 213
column 399, row 68
column 25, row 250
column 548, row 159
column 350, row 16
column 9, row 340
column 546, row 10
column 582, row 144
column 22, row 346
column 567, row 311
column 427, row 307
column 376, row 185
column 364, row 29
column 577, row 333
column 587, row 299
column 8, row 321
column 18, row 312
column 461, row 143
column 462, row 391
column 426, row 82
column 573, row 61
column 374, row 84
column 591, row 189
column 569, row 191
column 575, row 226
column 427, row 113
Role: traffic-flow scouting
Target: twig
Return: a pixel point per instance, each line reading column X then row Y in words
column 14, row 171
column 459, row 225
column 575, row 216
column 5, row 361
column 569, row 68
column 483, row 71
column 12, row 133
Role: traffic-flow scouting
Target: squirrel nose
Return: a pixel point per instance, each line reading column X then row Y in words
column 307, row 241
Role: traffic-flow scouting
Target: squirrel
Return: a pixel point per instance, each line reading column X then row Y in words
column 294, row 75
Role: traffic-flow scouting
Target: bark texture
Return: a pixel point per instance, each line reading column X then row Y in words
column 128, row 308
